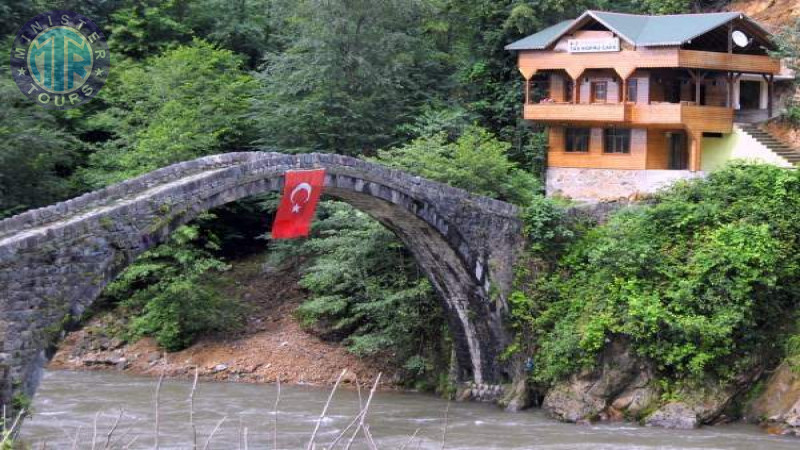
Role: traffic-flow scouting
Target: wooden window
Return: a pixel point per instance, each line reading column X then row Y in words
column 633, row 90
column 599, row 91
column 576, row 140
column 617, row 140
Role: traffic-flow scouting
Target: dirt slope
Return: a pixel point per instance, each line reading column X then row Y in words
column 271, row 344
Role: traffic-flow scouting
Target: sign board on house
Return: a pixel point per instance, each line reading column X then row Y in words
column 593, row 45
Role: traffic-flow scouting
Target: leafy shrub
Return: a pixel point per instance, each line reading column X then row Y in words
column 700, row 282
column 172, row 291
column 188, row 102
column 475, row 161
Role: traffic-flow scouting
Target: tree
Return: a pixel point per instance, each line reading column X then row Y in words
column 349, row 72
column 476, row 161
column 37, row 153
column 191, row 101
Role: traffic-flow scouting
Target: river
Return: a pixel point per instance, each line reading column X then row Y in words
column 69, row 401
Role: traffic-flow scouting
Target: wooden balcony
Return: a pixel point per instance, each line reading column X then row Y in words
column 728, row 62
column 626, row 61
column 715, row 119
column 569, row 112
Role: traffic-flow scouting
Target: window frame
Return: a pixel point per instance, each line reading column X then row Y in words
column 577, row 135
column 617, row 141
column 593, row 91
column 633, row 90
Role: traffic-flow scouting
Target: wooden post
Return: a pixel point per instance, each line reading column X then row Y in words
column 698, row 78
column 576, row 90
column 624, row 93
column 770, row 89
column 730, row 37
column 695, row 150
column 527, row 92
column 729, row 86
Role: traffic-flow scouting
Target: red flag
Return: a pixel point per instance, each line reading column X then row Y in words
column 301, row 192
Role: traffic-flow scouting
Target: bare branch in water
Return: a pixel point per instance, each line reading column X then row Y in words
column 157, row 399
column 370, row 441
column 213, row 432
column 410, row 440
column 131, row 442
column 277, row 402
column 191, row 410
column 113, row 429
column 94, row 429
column 324, row 410
column 444, row 431
column 75, row 441
column 364, row 411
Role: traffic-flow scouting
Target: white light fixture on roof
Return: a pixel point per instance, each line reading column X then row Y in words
column 740, row 39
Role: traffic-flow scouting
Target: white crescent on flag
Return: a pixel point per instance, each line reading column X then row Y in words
column 300, row 187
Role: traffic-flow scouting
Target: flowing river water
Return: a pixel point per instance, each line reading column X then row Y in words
column 68, row 402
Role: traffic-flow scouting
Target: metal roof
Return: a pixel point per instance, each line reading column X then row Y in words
column 639, row 30
column 541, row 39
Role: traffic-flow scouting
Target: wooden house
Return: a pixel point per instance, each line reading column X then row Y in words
column 634, row 102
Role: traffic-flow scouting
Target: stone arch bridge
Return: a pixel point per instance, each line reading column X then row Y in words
column 55, row 261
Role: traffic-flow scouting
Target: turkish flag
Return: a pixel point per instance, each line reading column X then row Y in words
column 301, row 192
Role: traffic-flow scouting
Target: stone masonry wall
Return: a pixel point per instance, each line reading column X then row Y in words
column 595, row 185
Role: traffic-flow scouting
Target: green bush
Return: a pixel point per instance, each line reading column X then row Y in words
column 475, row 161
column 172, row 292
column 700, row 283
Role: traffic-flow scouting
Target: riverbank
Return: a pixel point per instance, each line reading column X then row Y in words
column 271, row 344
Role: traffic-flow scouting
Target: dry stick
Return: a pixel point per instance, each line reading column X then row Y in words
column 9, row 434
column 246, row 446
column 370, row 441
column 364, row 415
column 410, row 439
column 75, row 441
column 127, row 432
column 94, row 430
column 132, row 441
column 324, row 410
column 241, row 430
column 191, row 410
column 157, row 399
column 347, row 428
column 113, row 429
column 444, row 431
column 213, row 432
column 358, row 388
column 277, row 401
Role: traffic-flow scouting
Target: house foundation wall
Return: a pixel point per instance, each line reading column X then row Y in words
column 594, row 185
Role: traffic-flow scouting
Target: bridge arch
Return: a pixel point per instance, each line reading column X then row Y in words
column 55, row 261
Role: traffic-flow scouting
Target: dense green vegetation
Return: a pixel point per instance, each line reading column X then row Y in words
column 702, row 281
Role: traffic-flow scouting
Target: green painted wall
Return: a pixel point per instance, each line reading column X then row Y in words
column 736, row 145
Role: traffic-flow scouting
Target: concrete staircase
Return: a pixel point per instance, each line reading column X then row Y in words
column 790, row 154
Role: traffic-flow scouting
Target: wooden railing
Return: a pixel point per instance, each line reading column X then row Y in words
column 728, row 61
column 582, row 112
column 626, row 61
column 715, row 119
